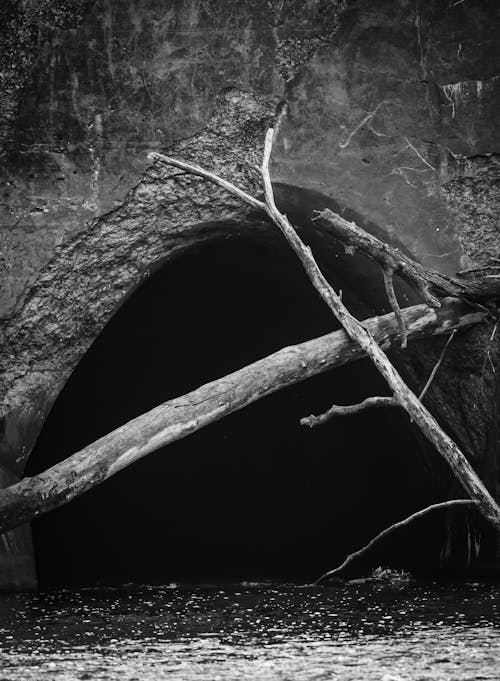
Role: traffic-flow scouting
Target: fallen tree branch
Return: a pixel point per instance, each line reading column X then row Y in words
column 348, row 410
column 184, row 415
column 436, row 367
column 431, row 284
column 352, row 556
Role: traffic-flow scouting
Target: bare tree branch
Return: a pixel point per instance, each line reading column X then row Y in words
column 207, row 175
column 352, row 556
column 436, row 367
column 391, row 295
column 493, row 264
column 347, row 410
column 431, row 284
column 184, row 415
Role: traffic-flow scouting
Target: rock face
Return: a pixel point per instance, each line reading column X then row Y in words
column 389, row 109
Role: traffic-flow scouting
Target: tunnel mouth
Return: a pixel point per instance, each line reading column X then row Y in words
column 256, row 495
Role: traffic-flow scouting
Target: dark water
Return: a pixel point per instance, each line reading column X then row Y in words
column 246, row 631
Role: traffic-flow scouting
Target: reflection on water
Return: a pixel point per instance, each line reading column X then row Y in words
column 253, row 631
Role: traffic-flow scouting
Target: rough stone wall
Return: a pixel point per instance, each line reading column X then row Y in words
column 385, row 116
column 464, row 398
column 474, row 198
column 387, row 107
column 20, row 38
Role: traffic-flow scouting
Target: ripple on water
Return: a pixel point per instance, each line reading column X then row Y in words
column 252, row 631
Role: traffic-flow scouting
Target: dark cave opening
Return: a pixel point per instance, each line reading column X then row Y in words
column 255, row 495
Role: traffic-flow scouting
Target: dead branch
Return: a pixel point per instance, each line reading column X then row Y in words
column 431, row 284
column 184, row 415
column 193, row 169
column 352, row 556
column 347, row 410
column 436, row 367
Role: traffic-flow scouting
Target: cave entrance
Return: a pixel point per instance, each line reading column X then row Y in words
column 255, row 495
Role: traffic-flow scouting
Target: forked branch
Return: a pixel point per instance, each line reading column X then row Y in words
column 348, row 410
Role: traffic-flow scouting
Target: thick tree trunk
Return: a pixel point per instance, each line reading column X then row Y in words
column 179, row 417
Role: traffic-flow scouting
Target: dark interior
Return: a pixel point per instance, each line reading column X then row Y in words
column 255, row 495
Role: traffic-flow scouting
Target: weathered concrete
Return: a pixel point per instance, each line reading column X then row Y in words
column 388, row 108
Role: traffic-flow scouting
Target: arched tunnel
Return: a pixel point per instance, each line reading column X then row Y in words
column 255, row 495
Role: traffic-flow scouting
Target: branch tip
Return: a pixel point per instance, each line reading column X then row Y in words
column 347, row 410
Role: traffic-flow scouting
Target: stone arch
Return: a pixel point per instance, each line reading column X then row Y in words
column 98, row 271
column 253, row 495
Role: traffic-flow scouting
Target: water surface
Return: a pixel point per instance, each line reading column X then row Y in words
column 253, row 631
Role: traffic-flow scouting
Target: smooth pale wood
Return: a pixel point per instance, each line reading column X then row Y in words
column 184, row 415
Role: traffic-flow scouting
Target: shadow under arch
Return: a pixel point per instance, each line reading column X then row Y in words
column 95, row 272
column 255, row 495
